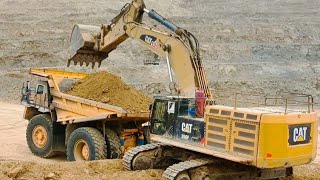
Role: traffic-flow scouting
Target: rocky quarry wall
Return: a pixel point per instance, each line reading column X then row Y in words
column 246, row 45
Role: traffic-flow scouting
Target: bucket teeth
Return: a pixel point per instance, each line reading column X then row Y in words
column 81, row 60
column 87, row 59
column 69, row 60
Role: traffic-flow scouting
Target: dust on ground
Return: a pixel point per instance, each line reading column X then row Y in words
column 307, row 172
column 104, row 169
column 108, row 88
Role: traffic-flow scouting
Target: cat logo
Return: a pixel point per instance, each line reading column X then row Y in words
column 186, row 127
column 299, row 134
column 151, row 40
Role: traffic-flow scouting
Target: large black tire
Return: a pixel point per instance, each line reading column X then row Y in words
column 93, row 138
column 42, row 122
column 113, row 144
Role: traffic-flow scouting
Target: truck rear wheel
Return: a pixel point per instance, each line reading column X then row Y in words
column 39, row 135
column 113, row 144
column 86, row 144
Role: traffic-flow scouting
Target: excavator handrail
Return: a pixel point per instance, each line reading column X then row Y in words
column 280, row 99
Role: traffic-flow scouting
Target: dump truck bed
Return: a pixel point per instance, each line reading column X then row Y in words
column 73, row 109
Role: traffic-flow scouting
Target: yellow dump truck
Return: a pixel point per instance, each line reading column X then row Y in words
column 84, row 129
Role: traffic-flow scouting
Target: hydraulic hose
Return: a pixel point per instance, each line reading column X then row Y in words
column 156, row 16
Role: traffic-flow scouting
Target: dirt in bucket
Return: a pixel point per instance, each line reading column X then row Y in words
column 108, row 88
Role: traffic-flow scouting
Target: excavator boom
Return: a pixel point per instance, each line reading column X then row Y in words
column 92, row 44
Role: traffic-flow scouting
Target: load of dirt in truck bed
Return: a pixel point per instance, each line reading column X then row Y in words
column 108, row 88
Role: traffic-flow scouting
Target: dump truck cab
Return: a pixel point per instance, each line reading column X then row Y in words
column 37, row 97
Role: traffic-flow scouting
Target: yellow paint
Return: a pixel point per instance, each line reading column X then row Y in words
column 273, row 139
column 129, row 140
column 65, row 74
column 300, row 138
column 264, row 141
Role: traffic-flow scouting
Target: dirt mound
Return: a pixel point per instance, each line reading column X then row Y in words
column 108, row 88
column 106, row 169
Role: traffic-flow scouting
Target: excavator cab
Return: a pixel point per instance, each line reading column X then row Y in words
column 174, row 117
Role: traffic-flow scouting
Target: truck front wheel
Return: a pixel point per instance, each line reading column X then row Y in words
column 86, row 144
column 39, row 135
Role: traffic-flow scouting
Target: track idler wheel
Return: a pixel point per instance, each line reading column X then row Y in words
column 142, row 162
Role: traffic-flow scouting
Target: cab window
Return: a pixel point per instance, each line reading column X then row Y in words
column 158, row 122
column 40, row 89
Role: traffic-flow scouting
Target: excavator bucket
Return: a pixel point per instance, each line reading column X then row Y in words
column 83, row 48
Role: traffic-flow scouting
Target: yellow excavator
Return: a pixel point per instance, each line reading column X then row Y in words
column 195, row 135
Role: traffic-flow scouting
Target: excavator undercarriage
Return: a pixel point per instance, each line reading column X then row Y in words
column 181, row 164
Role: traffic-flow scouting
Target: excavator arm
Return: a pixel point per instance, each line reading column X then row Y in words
column 92, row 44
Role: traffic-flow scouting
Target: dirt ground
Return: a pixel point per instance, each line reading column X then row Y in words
column 17, row 162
